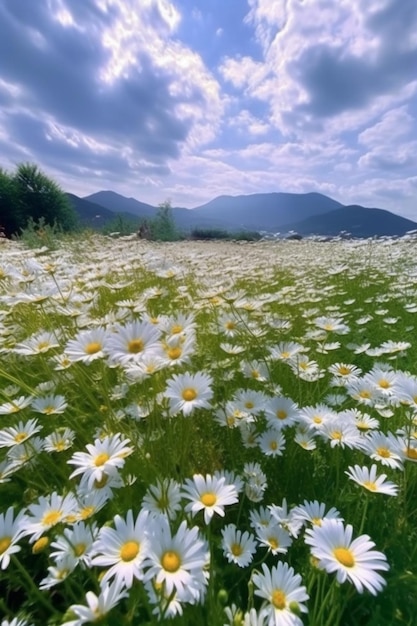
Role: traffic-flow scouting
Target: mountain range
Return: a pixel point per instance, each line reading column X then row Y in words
column 306, row 214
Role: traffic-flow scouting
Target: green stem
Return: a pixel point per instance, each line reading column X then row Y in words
column 31, row 585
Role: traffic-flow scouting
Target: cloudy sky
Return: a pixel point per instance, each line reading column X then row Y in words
column 190, row 99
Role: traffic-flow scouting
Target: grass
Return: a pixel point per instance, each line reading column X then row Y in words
column 261, row 323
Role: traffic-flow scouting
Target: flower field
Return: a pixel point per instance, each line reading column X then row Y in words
column 208, row 433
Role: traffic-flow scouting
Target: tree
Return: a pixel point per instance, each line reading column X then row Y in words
column 10, row 211
column 40, row 197
column 163, row 226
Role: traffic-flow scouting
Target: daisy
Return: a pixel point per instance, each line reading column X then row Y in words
column 11, row 530
column 37, row 344
column 368, row 479
column 275, row 538
column 383, row 448
column 49, row 405
column 15, row 405
column 286, row 518
column 59, row 440
column 64, row 565
column 315, row 417
column 305, row 439
column 281, row 412
column 355, row 561
column 163, row 497
column 272, row 442
column 87, row 346
column 249, row 401
column 314, row 512
column 15, row 435
column 344, row 373
column 177, row 561
column 341, row 432
column 123, row 548
column 130, row 342
column 255, row 482
column 238, row 547
column 187, row 392
column 261, row 518
column 283, row 593
column 104, row 457
column 286, row 350
column 76, row 542
column 255, row 370
column 98, row 606
column 210, row 494
column 48, row 512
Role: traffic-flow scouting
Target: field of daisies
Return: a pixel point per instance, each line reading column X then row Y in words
column 212, row 433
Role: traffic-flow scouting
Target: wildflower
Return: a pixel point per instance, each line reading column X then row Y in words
column 286, row 518
column 14, row 406
column 281, row 412
column 187, row 392
column 238, row 547
column 131, row 342
column 123, row 548
column 249, row 401
column 261, row 518
column 11, row 530
column 164, row 497
column 37, row 344
column 383, row 448
column 59, row 440
column 355, row 561
column 48, row 512
column 104, row 457
column 255, row 370
column 87, row 346
column 283, row 593
column 255, row 481
column 15, row 435
column 314, row 417
column 341, row 432
column 274, row 537
column 64, row 565
column 272, row 442
column 344, row 373
column 50, row 405
column 368, row 479
column 314, row 512
column 286, row 351
column 177, row 561
column 76, row 542
column 210, row 494
column 98, row 606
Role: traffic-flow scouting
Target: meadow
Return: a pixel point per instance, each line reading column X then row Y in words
column 208, row 433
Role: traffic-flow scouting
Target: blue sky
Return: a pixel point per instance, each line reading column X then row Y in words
column 187, row 100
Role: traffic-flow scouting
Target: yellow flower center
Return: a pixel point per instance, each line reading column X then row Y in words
column 51, row 518
column 316, row 521
column 93, row 347
column 384, row 452
column 230, row 325
column 285, row 355
column 87, row 511
column 255, row 374
column 177, row 328
column 328, row 327
column 79, row 549
column 273, row 445
column 99, row 484
column 365, row 394
column 279, row 599
column 174, row 353
column 135, row 346
column 129, row 551
column 42, row 345
column 281, row 414
column 369, row 485
column 4, row 544
column 385, row 384
column 20, row 437
column 48, row 410
column 336, row 434
column 101, row 459
column 411, row 453
column 273, row 542
column 249, row 404
column 171, row 561
column 209, row 498
column 189, row 394
column 344, row 556
column 236, row 549
column 343, row 370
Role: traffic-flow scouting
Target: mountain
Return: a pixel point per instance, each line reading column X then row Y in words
column 267, row 211
column 355, row 220
column 308, row 213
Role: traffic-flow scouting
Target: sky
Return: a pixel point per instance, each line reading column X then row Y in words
column 187, row 100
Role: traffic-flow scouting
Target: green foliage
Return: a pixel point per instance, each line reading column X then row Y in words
column 163, row 227
column 28, row 196
column 39, row 234
column 120, row 226
column 209, row 233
